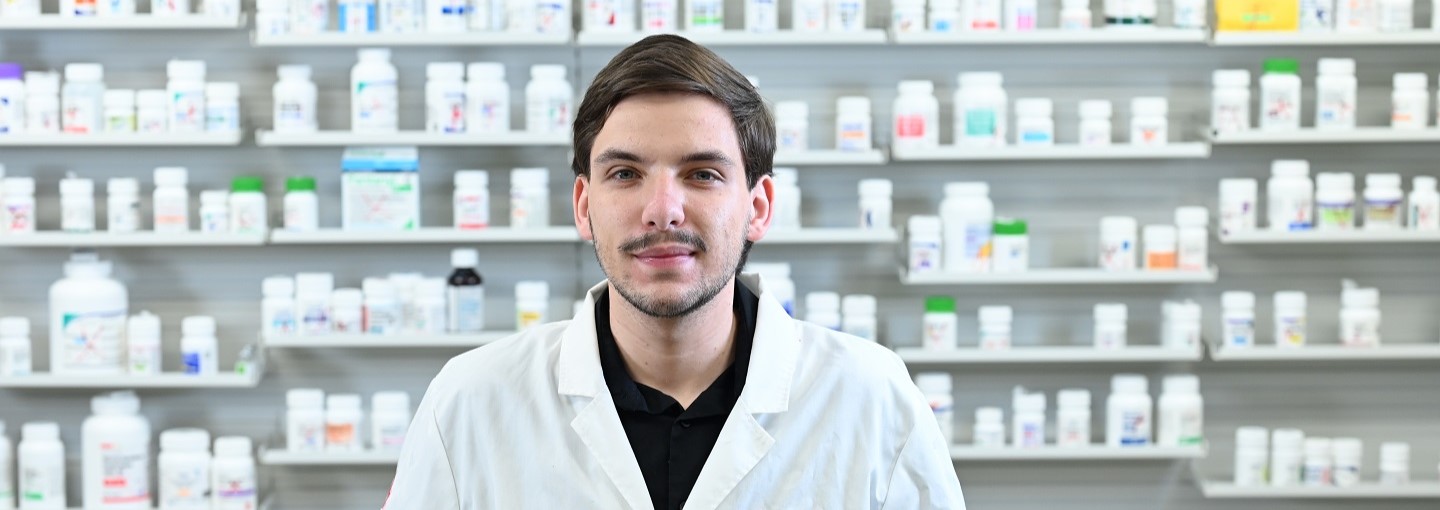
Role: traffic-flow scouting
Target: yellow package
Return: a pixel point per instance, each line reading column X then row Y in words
column 1257, row 15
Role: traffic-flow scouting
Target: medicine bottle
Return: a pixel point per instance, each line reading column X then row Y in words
column 1148, row 122
column 342, row 423
column 383, row 308
column 944, row 15
column 198, row 349
column 1360, row 317
column 1230, row 101
column 1118, row 243
column 980, row 110
column 142, row 338
column 529, row 198
column 374, row 93
column 249, row 213
column 937, row 388
column 390, row 418
column 1182, row 412
column 305, row 420
column 115, row 454
column 1424, row 204
column 1072, row 419
column 430, row 307
column 1280, row 103
column 1384, row 202
column 787, row 199
column 762, row 16
column 906, row 16
column 853, row 124
column 445, row 97
column 232, row 474
column 940, row 324
column 184, row 469
column 12, row 94
column 792, row 126
column 549, row 100
column 1335, row 201
column 152, row 114
column 989, row 427
column 465, row 293
column 917, row 116
column 1028, row 420
column 295, row 100
column 120, row 111
column 847, row 15
column 875, row 204
column 272, row 18
column 302, row 205
column 1410, row 101
column 42, row 102
column 1193, row 238
column 277, row 309
column 1319, row 467
column 1182, row 326
column 809, row 15
column 487, row 98
column 222, row 107
column 1075, row 15
column 186, row 96
column 1290, row 324
column 705, row 15
column 1034, row 125
column 214, row 211
column 1394, row 463
column 858, row 317
column 1110, row 325
column 446, row 16
column 1095, row 126
column 1129, row 412
column 1237, row 327
column 968, row 218
column 1346, row 467
column 472, row 200
column 16, row 355
column 172, row 201
column 532, row 306
column 347, row 311
column 1160, row 247
column 312, row 302
column 924, row 248
column 82, row 99
column 1290, row 196
column 823, row 309
column 1011, row 246
column 1252, row 456
column 1335, row 94
column 77, row 204
column 659, row 16
column 1189, row 14
column 776, row 278
column 41, row 460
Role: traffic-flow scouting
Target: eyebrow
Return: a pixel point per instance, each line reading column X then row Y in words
column 707, row 156
column 611, row 155
column 716, row 157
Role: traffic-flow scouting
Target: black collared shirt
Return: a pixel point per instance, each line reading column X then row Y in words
column 671, row 443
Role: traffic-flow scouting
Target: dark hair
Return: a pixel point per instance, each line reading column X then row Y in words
column 670, row 63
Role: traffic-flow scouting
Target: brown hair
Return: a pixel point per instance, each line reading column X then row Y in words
column 670, row 63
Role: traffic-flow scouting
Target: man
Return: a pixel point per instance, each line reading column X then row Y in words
column 679, row 384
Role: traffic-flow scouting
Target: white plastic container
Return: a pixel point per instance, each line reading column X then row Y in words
column 186, row 92
column 7, row 469
column 529, row 198
column 222, row 107
column 1011, row 242
column 309, row 17
column 937, row 388
column 343, row 418
column 1110, row 327
column 989, row 427
column 906, row 16
column 1384, row 202
column 384, row 310
column 982, row 15
column 41, row 458
column 122, row 205
column 445, row 97
column 1119, row 243
column 1034, row 125
column 1252, row 456
column 295, row 100
column 1395, row 15
column 1028, row 420
column 77, row 205
column 87, row 319
column 1148, row 122
column 199, row 351
column 347, row 311
column 1021, row 15
column 305, row 420
column 465, row 290
column 981, row 109
column 374, row 93
column 876, row 205
column 549, row 100
column 171, row 203
column 272, row 17
column 659, row 16
column 1423, row 212
column 916, row 116
column 858, row 316
column 487, row 98
column 1280, row 104
column 302, row 205
column 277, row 308
column 823, row 309
column 1072, row 419
column 16, row 358
column 1129, row 412
column 142, row 339
column 924, row 244
column 152, row 113
column 249, row 211
column 115, row 454
column 214, row 211
column 184, row 469
column 1182, row 412
column 1095, row 125
column 1335, row 201
column 1348, row 452
column 1237, row 328
column 1410, row 102
column 119, row 111
column 12, row 94
column 1182, row 326
column 446, row 16
column 1360, row 317
column 1287, row 457
column 1075, row 15
column 809, row 15
column 1189, row 14
column 19, row 207
column 389, row 420
column 847, row 15
column 233, row 475
column 42, row 101
column 704, row 15
column 1193, row 238
column 1319, row 466
column 1317, row 15
column 1290, row 323
column 609, row 16
column 940, row 325
column 532, row 305
column 82, row 99
column 787, row 199
column 472, row 200
column 1394, row 463
column 1160, row 247
column 1335, row 89
column 1290, row 196
column 968, row 218
column 1230, row 100
column 430, row 307
column 792, row 126
column 762, row 16
column 357, row 16
column 853, row 130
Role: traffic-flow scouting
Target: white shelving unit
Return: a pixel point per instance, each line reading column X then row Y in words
column 1326, row 137
column 1091, row 453
column 339, row 39
column 1420, row 490
column 121, row 140
column 1189, row 150
column 1390, row 352
column 743, row 38
column 1049, row 354
column 162, row 381
column 130, row 240
column 368, row 458
column 1267, row 236
column 1075, row 276
column 266, row 138
column 1330, row 38
column 831, row 236
column 1056, row 37
column 402, row 341
column 829, row 158
column 136, row 22
column 437, row 235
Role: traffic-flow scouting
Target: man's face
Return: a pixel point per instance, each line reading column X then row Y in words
column 667, row 204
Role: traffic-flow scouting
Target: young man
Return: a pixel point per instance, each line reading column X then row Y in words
column 679, row 384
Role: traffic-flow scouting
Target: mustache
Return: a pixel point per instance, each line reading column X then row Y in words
column 656, row 238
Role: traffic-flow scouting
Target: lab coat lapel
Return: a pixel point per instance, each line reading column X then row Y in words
column 580, row 379
column 743, row 442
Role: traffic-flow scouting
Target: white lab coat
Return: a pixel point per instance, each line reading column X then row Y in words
column 825, row 421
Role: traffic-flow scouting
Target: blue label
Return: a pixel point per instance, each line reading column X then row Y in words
column 192, row 363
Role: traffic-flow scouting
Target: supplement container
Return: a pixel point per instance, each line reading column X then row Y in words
column 1237, row 328
column 1335, row 201
column 1290, row 330
column 1252, row 456
column 1335, row 94
column 1095, row 125
column 853, row 130
column 1034, row 124
column 487, row 98
column 1290, row 195
column 981, row 110
column 787, row 199
column 198, row 349
column 937, row 387
column 305, row 420
column 1410, row 101
column 1148, row 122
column 1029, row 420
column 1230, row 101
column 968, row 218
column 1238, row 199
column 989, row 427
column 342, row 423
column 1280, row 103
column 823, row 309
column 940, row 324
column 1384, row 202
column 1193, row 238
column 1110, row 325
column 1129, row 412
column 1182, row 412
column 531, row 304
column 875, row 204
column 859, row 316
column 1072, row 420
column 995, row 324
column 1423, row 212
column 924, row 244
column 1011, row 246
column 1118, row 243
column 1160, row 247
column 917, row 117
column 792, row 126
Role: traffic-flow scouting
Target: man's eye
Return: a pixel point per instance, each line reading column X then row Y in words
column 707, row 175
column 624, row 174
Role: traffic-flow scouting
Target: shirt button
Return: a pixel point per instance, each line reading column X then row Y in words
column 684, row 423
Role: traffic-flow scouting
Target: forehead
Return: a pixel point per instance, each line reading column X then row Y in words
column 668, row 122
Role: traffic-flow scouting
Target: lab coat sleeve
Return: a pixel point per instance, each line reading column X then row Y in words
column 425, row 477
column 924, row 476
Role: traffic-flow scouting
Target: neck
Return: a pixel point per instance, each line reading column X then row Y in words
column 679, row 356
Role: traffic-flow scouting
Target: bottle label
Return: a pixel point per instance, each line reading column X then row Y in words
column 488, row 115
column 1290, row 331
column 194, row 362
column 124, row 474
column 123, row 122
column 10, row 119
column 91, row 340
column 1359, row 333
column 144, row 359
column 472, row 211
column 375, row 103
column 939, row 335
column 187, row 112
column 392, row 436
column 549, row 114
column 1336, row 109
column 850, row 16
column 910, row 127
column 316, row 319
column 81, row 116
column 447, row 113
column 172, row 215
column 306, row 436
column 20, row 217
column 977, row 247
column 124, row 216
column 529, row 318
column 222, row 118
column 1316, row 15
column 340, row 435
column 248, row 218
column 790, row 138
column 214, row 221
column 1191, row 427
column 1336, row 215
column 1072, row 431
column 467, row 309
column 853, row 136
column 1134, row 428
column 658, row 16
column 290, row 114
column 357, row 17
column 38, row 486
column 1117, row 255
column 1239, row 333
column 14, row 362
column 382, row 320
column 707, row 14
column 1423, row 216
column 235, row 490
column 980, row 123
column 924, row 256
column 1281, row 108
column 1382, row 213
column 1293, row 212
column 1031, row 435
column 186, row 486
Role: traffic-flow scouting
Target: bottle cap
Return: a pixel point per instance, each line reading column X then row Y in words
column 853, row 105
column 300, row 183
column 192, row 70
column 537, row 290
column 378, row 289
column 1423, row 183
column 1149, row 107
column 171, row 176
column 1290, row 168
column 1010, row 227
column 234, row 446
column 445, row 71
column 1382, row 180
column 125, row 98
column 14, row 327
column 472, row 179
column 1228, row 78
column 294, row 72
column 343, row 401
column 1360, row 298
column 547, row 72
column 84, row 72
column 1412, row 81
column 18, row 185
column 305, row 398
column 1239, row 186
column 465, row 258
column 40, row 431
column 1192, row 217
column 876, row 188
column 1395, row 453
column 1337, row 66
column 247, row 184
column 1096, row 108
column 530, row 177
column 822, row 302
column 934, row 383
column 347, row 298
column 1288, row 439
column 966, row 189
column 858, row 304
column 1335, row 181
column 123, row 186
column 992, row 314
column 1181, row 384
column 151, row 98
column 1290, row 299
column 374, row 54
column 1073, row 399
column 925, row 87
column 278, row 286
column 785, row 176
column 1237, row 299
column 77, row 186
column 1034, row 107
column 222, row 90
column 939, row 304
column 185, row 440
column 981, row 79
column 1160, row 236
column 924, row 224
column 1318, row 447
column 1252, row 437
column 314, row 284
column 1282, row 66
column 11, row 71
column 1111, row 312
column 432, row 288
column 1347, row 447
column 390, row 401
column 198, row 325
column 1118, row 225
column 485, row 71
column 1029, row 403
column 117, row 403
column 1129, row 383
column 143, row 326
column 791, row 110
column 989, row 415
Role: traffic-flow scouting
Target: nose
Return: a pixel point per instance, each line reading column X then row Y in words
column 665, row 209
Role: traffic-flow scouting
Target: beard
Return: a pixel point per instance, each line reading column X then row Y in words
column 691, row 299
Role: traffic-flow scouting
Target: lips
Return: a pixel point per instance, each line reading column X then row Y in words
column 665, row 256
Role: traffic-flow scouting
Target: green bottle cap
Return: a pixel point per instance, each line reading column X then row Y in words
column 942, row 304
column 1010, row 227
column 247, row 185
column 300, row 183
column 1282, row 66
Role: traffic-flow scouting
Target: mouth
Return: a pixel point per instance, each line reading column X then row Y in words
column 665, row 256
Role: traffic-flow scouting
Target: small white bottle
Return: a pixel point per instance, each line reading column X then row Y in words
column 1028, row 420
column 19, row 206
column 1110, row 327
column 487, row 98
column 1237, row 327
column 472, row 200
column 152, row 114
column 16, row 360
column 1230, row 100
column 1335, row 201
column 446, row 16
column 1182, row 412
column 1238, row 199
column 1280, row 102
column 659, row 16
column 347, row 311
column 704, row 15
column 846, row 15
column 792, row 126
column 445, row 97
column 232, row 474
column 1095, row 126
column 277, row 308
column 1395, row 15
column 198, row 349
column 41, row 462
column 1252, row 456
column 122, row 205
column 302, row 205
column 1021, row 15
column 184, row 469
column 82, row 99
column 1360, row 317
column 1410, row 101
column 389, row 420
column 937, row 388
column 940, row 325
column 142, row 339
column 787, row 199
column 968, row 218
column 214, row 211
column 186, row 96
column 1189, row 14
column 383, row 309
column 875, row 204
column 1034, row 125
column 823, row 308
column 1317, row 15
column 1148, row 122
column 1072, row 419
column 762, row 16
column 981, row 110
column 924, row 244
column 916, row 116
column 312, row 302
column 272, row 17
column 42, row 102
column 808, row 16
column 115, row 453
column 77, row 205
column 1347, row 455
column 1287, row 459
column 1290, row 196
column 1075, row 15
column 1423, row 212
column 1193, row 237
column 1319, row 467
column 374, row 93
column 1335, row 90
column 249, row 211
column 295, row 100
column 1394, row 463
column 529, row 198
column 222, row 107
column 1182, row 326
column 343, row 417
column 1119, row 243
column 1129, row 412
column 549, row 100
column 1384, row 202
column 305, row 420
column 908, row 16
column 172, row 201
column 1290, row 330
column 989, row 427
column 531, row 304
column 120, row 111
column 1011, row 251
column 858, row 317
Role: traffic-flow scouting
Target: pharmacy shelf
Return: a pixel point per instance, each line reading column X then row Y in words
column 339, row 39
column 1056, row 37
column 1315, row 136
column 831, row 236
column 1191, row 150
column 1093, row 453
column 346, row 138
column 1390, row 352
column 829, row 158
column 1267, row 236
column 439, row 235
column 121, row 140
column 137, row 22
column 1216, row 490
column 401, row 341
column 1044, row 355
column 162, row 381
column 744, row 38
column 1078, row 276
column 130, row 240
column 288, row 458
column 1329, row 38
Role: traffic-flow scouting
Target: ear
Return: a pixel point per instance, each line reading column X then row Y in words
column 581, row 205
column 762, row 210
